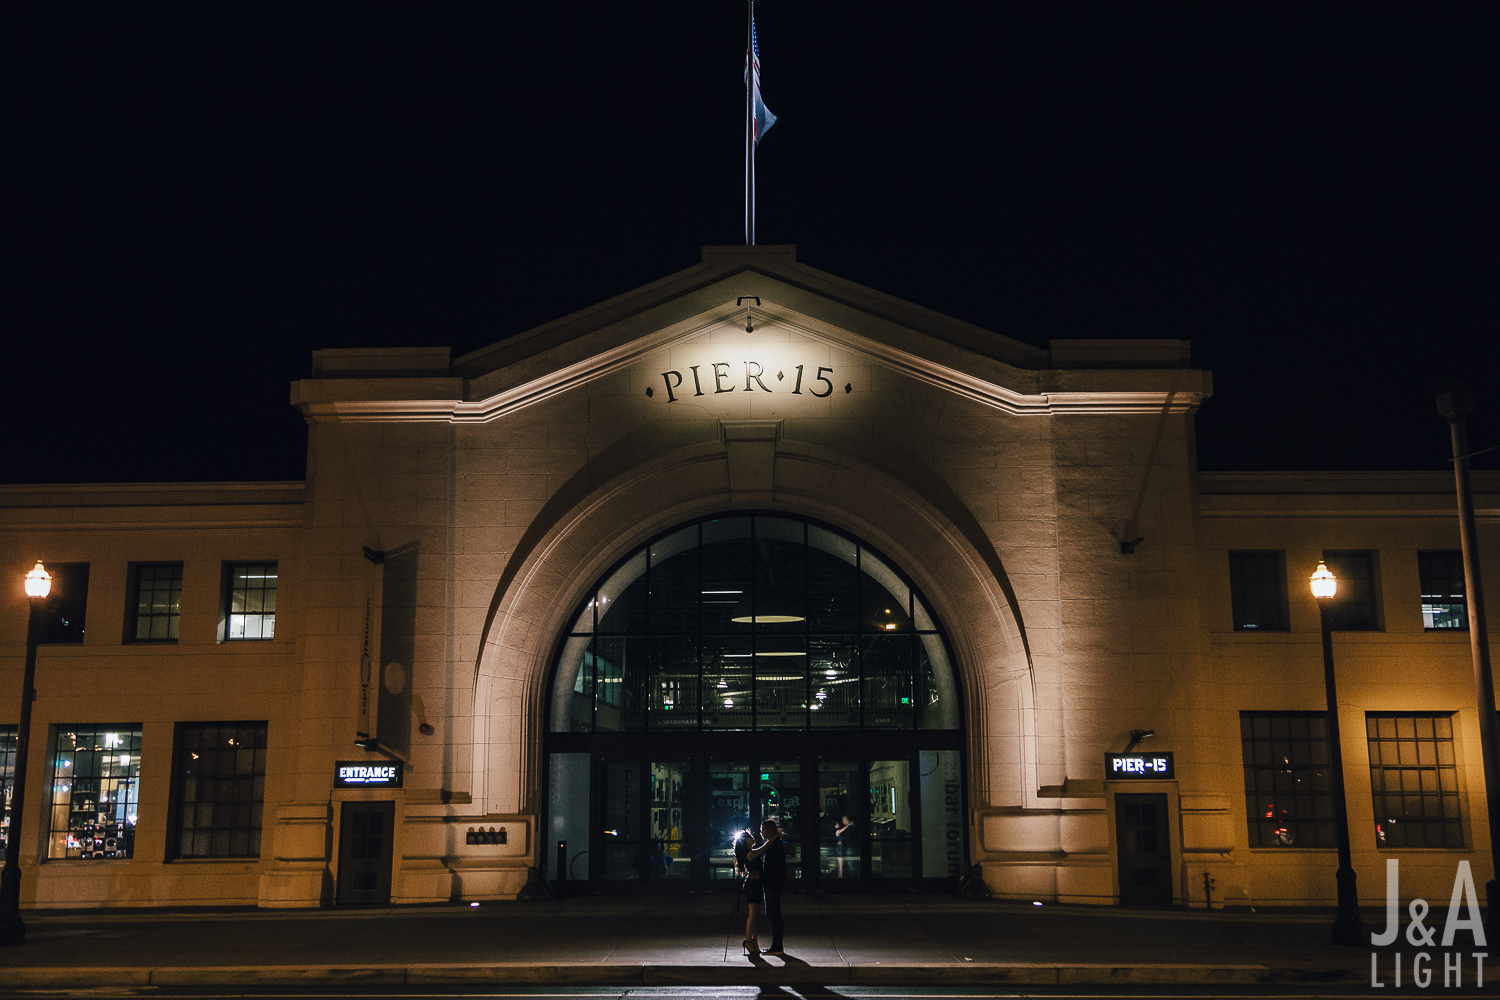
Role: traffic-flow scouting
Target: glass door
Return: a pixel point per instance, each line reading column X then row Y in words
column 851, row 821
column 645, row 831
column 891, row 830
column 744, row 794
column 843, row 833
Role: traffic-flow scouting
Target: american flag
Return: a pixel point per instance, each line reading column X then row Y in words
column 763, row 117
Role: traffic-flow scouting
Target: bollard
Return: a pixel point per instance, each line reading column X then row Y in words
column 562, row 868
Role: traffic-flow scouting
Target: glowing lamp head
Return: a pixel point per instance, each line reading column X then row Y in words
column 1324, row 584
column 38, row 582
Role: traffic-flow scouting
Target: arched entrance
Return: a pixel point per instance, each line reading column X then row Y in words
column 748, row 666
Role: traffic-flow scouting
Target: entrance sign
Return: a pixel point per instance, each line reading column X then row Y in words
column 359, row 774
column 1139, row 767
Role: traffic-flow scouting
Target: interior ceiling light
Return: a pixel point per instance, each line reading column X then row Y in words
column 767, row 618
column 770, row 607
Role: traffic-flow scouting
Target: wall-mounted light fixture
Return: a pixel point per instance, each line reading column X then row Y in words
column 749, row 319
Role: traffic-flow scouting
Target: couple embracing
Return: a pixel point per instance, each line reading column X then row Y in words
column 762, row 869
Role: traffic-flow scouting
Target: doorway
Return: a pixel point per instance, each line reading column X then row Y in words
column 366, row 835
column 1144, row 847
column 745, row 667
column 885, row 822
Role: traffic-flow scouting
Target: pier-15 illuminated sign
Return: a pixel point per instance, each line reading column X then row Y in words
column 1139, row 767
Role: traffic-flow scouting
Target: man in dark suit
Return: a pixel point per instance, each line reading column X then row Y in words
column 773, row 879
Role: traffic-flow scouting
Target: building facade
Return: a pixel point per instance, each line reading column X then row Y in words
column 751, row 541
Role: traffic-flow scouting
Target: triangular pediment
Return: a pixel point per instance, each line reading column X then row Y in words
column 749, row 319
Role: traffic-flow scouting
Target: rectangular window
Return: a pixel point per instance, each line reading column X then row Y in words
column 1257, row 591
column 1288, row 785
column 1443, row 604
column 1414, row 780
column 158, row 602
column 1356, row 606
column 250, row 601
column 95, row 790
column 220, row 789
column 7, row 778
column 63, row 613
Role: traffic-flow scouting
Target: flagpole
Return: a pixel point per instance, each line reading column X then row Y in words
column 749, row 124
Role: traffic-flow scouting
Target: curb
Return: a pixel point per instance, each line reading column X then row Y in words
column 595, row 974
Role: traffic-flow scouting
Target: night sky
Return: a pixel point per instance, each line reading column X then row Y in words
column 202, row 194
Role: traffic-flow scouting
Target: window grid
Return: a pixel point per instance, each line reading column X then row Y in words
column 1288, row 785
column 220, row 789
column 63, row 613
column 1443, row 603
column 95, row 790
column 1257, row 588
column 1356, row 608
column 668, row 642
column 252, row 601
column 158, row 601
column 7, row 780
column 1414, row 780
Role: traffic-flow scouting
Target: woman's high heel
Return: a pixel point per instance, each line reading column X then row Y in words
column 750, row 946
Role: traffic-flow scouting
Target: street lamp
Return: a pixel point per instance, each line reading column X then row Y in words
column 1455, row 402
column 12, row 929
column 1348, row 928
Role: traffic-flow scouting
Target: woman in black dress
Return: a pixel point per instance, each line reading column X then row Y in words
column 747, row 862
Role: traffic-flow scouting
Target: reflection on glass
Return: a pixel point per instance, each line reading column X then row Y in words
column 842, row 824
column 942, row 813
column 643, row 836
column 781, row 682
column 887, row 668
column 674, row 586
column 890, row 819
column 834, row 681
column 729, row 813
column 728, row 684
column 674, row 683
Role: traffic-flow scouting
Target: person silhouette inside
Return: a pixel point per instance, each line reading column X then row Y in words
column 845, row 834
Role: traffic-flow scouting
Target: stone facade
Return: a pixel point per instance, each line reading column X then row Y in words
column 456, row 512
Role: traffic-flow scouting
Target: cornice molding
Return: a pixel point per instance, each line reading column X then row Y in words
column 942, row 376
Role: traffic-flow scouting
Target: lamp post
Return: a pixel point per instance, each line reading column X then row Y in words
column 1348, row 928
column 12, row 928
column 1455, row 402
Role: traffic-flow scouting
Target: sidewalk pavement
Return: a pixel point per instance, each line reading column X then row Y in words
column 659, row 940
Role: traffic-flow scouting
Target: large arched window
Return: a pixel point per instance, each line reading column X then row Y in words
column 746, row 667
column 753, row 622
